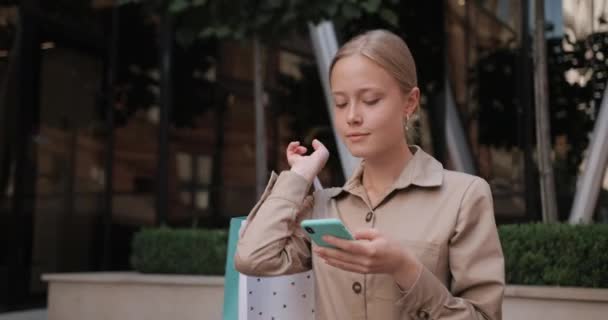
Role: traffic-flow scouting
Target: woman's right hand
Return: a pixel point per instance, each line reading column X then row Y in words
column 308, row 166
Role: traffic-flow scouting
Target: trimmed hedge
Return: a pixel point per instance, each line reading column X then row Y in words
column 180, row 251
column 535, row 254
column 556, row 254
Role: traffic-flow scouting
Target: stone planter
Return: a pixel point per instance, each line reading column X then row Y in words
column 555, row 303
column 133, row 296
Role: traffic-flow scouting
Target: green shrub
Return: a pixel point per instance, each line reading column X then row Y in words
column 556, row 254
column 180, row 251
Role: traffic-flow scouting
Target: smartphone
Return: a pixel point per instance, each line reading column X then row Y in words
column 317, row 228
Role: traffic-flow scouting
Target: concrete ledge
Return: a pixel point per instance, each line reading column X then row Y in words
column 557, row 293
column 39, row 314
column 130, row 295
column 555, row 303
column 135, row 278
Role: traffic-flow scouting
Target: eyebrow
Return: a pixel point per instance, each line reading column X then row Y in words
column 362, row 90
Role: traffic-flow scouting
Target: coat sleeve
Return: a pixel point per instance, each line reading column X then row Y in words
column 272, row 243
column 476, row 266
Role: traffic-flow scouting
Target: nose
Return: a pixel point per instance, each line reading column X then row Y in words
column 353, row 117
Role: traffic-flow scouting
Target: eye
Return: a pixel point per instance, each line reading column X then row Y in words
column 340, row 103
column 371, row 102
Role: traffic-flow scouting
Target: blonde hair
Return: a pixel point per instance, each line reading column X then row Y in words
column 391, row 53
column 386, row 49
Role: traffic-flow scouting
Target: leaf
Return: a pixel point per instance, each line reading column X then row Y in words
column 390, row 17
column 331, row 9
column 185, row 37
column 273, row 3
column 222, row 31
column 371, row 6
column 178, row 5
column 239, row 34
column 350, row 11
column 288, row 17
column 262, row 19
column 123, row 2
column 206, row 32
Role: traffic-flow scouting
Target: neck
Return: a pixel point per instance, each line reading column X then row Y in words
column 381, row 172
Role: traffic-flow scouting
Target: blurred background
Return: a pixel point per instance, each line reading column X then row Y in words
column 117, row 115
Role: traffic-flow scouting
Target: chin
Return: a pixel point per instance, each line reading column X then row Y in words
column 359, row 151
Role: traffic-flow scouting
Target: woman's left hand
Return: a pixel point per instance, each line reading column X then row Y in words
column 372, row 252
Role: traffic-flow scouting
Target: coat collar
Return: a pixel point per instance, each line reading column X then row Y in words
column 422, row 170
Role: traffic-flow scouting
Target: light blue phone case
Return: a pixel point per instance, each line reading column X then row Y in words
column 317, row 228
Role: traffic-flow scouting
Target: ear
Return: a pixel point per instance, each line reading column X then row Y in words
column 412, row 101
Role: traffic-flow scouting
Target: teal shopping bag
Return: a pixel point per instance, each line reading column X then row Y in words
column 231, row 278
column 295, row 301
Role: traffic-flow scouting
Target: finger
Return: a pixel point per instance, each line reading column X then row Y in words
column 354, row 247
column 321, row 151
column 366, row 234
column 292, row 146
column 316, row 144
column 301, row 150
column 346, row 266
column 335, row 254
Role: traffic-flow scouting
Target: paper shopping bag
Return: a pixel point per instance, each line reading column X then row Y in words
column 231, row 277
column 283, row 297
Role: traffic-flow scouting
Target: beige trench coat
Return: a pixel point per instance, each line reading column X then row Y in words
column 445, row 218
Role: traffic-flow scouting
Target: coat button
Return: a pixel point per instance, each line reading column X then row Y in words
column 369, row 216
column 422, row 315
column 357, row 287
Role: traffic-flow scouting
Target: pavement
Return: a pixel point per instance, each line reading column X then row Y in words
column 38, row 314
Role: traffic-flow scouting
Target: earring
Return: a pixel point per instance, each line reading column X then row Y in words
column 407, row 120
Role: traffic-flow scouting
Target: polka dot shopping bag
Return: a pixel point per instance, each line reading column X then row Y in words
column 271, row 298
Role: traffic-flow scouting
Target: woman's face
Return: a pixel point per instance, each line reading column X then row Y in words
column 369, row 107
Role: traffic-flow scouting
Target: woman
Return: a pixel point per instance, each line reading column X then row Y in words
column 426, row 245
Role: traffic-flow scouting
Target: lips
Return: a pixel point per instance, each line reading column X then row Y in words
column 356, row 137
column 357, row 134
